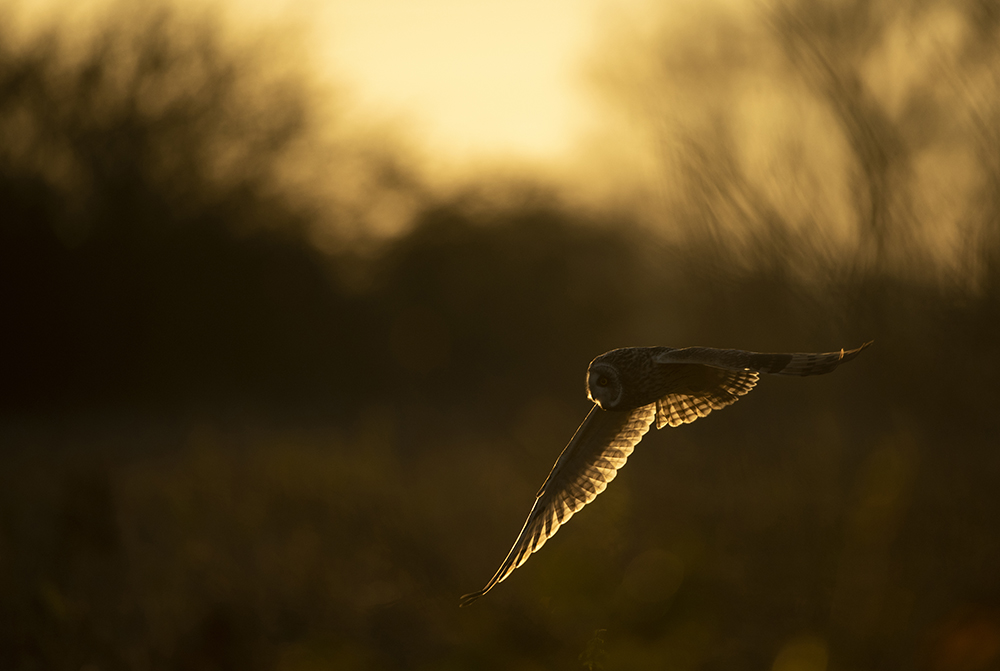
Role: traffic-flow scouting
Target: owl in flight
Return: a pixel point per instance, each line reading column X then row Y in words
column 632, row 388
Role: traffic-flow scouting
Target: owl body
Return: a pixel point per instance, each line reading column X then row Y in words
column 632, row 377
column 627, row 378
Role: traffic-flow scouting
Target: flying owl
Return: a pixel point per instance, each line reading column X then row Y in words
column 632, row 388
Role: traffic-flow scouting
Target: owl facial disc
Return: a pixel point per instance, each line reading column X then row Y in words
column 603, row 385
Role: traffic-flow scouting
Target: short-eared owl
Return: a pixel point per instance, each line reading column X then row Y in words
column 631, row 389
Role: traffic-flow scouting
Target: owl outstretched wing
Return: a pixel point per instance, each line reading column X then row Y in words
column 799, row 363
column 591, row 460
column 706, row 379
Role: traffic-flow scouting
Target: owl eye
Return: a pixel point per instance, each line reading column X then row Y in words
column 602, row 381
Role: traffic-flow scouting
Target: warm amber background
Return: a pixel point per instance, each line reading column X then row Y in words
column 273, row 395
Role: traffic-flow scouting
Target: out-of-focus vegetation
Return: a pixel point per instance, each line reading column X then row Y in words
column 861, row 135
column 226, row 443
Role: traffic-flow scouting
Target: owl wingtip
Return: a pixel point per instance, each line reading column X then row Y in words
column 848, row 354
column 467, row 599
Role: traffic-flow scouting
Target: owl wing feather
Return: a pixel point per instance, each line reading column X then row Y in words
column 708, row 379
column 600, row 446
column 799, row 363
column 701, row 390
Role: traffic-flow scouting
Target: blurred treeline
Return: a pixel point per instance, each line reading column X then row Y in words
column 230, row 444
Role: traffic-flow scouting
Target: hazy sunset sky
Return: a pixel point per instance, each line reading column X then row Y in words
column 482, row 80
column 605, row 97
column 492, row 77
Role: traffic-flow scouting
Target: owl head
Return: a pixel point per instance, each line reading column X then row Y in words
column 604, row 385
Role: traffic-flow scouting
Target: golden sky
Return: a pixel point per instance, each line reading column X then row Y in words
column 468, row 78
column 494, row 76
column 606, row 96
